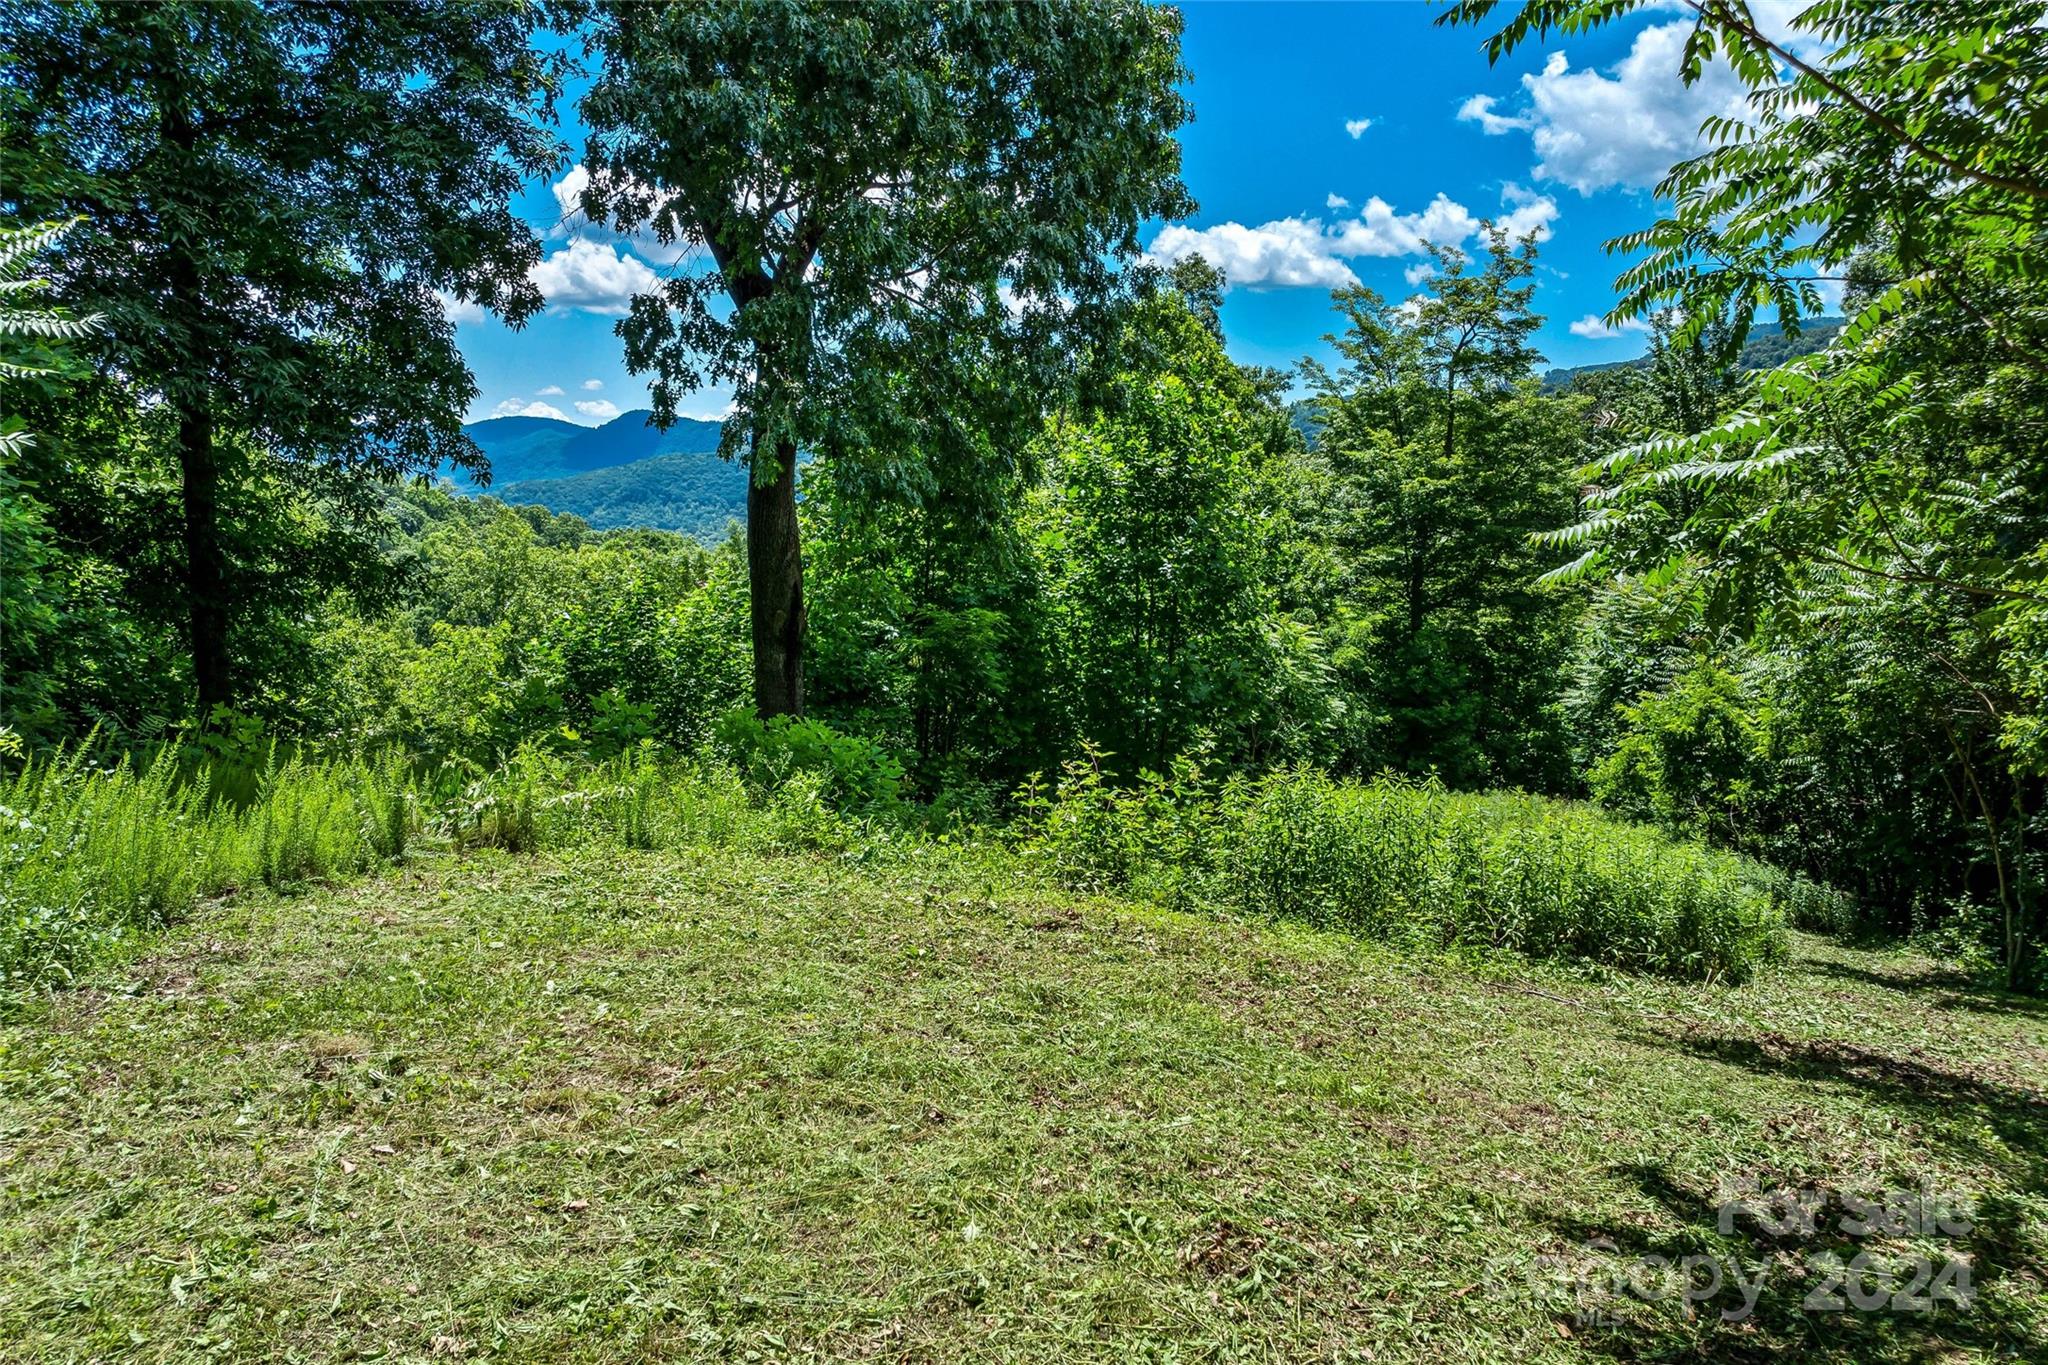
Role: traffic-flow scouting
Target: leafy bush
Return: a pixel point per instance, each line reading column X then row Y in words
column 640, row 798
column 1691, row 757
column 1153, row 838
column 504, row 807
column 853, row 774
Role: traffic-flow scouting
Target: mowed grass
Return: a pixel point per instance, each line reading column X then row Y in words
column 626, row 1107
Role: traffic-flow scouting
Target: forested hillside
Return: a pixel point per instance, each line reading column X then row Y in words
column 698, row 494
column 524, row 448
column 1767, row 347
column 1032, row 838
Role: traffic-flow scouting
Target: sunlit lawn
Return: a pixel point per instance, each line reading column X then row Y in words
column 631, row 1107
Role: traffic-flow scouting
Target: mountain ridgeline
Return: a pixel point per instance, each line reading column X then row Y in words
column 629, row 473
column 625, row 473
column 1767, row 347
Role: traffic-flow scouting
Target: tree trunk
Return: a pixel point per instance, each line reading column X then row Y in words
column 1450, row 415
column 206, row 569
column 775, row 582
column 206, row 576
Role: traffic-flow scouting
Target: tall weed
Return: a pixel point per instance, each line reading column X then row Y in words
column 94, row 854
column 1409, row 862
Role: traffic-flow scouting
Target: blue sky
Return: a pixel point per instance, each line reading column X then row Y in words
column 1329, row 140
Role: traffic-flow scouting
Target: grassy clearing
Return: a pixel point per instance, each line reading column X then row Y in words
column 615, row 1106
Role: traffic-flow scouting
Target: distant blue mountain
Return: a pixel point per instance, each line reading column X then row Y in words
column 624, row 473
column 521, row 448
column 692, row 492
column 1768, row 346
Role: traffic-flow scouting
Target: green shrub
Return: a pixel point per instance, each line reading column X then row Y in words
column 801, row 813
column 617, row 725
column 515, row 806
column 1412, row 863
column 1154, row 838
column 853, row 774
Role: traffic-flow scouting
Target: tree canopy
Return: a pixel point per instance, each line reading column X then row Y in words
column 883, row 191
column 274, row 200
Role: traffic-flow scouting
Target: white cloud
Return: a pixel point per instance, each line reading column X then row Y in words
column 512, row 407
column 1479, row 110
column 1357, row 126
column 592, row 385
column 1593, row 130
column 603, row 409
column 568, row 192
column 1336, row 201
column 593, row 278
column 459, row 311
column 1594, row 328
column 551, row 391
column 1417, row 273
column 1527, row 212
column 1774, row 18
column 1379, row 231
column 1295, row 252
column 1287, row 251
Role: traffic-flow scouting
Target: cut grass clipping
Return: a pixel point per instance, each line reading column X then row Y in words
column 605, row 1106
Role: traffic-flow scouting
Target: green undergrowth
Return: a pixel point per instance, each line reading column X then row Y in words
column 99, row 855
column 1412, row 863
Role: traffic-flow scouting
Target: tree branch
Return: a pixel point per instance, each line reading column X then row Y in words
column 1712, row 12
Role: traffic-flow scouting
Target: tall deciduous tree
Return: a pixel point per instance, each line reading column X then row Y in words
column 1444, row 461
column 1890, row 488
column 33, row 339
column 885, row 190
column 276, row 195
column 1153, row 536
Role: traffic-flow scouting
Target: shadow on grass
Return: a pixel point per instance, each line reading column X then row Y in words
column 1763, row 1291
column 1948, row 989
column 1940, row 1098
column 1982, row 1117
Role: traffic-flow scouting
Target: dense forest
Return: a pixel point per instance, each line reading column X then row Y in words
column 1029, row 838
column 614, row 476
column 1788, row 610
